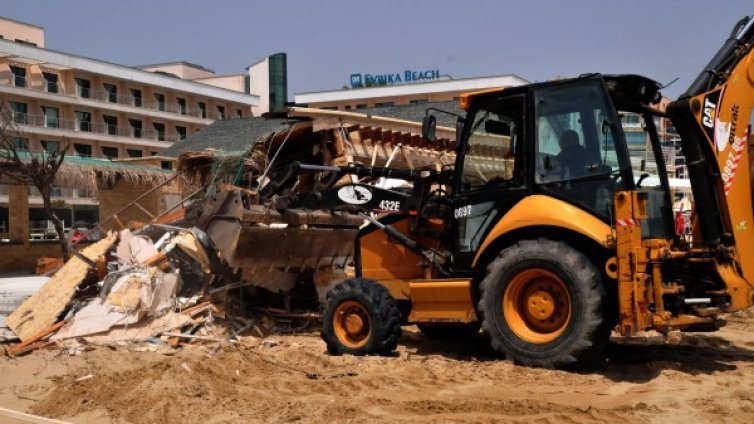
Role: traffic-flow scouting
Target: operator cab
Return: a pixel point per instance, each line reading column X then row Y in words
column 562, row 139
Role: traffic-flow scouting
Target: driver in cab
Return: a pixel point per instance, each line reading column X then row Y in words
column 572, row 157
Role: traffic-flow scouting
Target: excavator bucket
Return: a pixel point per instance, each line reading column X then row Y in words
column 275, row 250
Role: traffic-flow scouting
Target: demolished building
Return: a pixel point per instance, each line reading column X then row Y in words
column 237, row 233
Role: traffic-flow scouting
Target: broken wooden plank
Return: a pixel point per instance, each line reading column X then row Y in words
column 145, row 210
column 197, row 309
column 51, row 329
column 44, row 307
column 34, row 346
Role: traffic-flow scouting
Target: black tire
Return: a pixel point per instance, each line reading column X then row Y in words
column 582, row 333
column 449, row 331
column 375, row 307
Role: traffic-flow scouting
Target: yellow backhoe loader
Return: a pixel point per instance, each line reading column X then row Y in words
column 541, row 235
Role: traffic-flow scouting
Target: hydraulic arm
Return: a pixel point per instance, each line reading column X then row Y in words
column 713, row 120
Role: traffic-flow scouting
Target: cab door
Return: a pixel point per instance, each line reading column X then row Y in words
column 491, row 176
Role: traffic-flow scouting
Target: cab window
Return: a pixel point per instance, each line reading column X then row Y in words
column 491, row 156
column 576, row 148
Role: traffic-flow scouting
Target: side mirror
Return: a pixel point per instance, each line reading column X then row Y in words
column 429, row 125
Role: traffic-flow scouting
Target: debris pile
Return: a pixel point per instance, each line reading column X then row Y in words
column 161, row 286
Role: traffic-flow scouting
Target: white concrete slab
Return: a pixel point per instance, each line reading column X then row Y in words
column 15, row 289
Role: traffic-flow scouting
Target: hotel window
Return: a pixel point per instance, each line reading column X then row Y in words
column 111, row 122
column 384, row 104
column 202, row 109
column 160, row 99
column 239, row 113
column 112, row 93
column 417, row 101
column 83, row 121
column 181, row 132
column 166, row 164
column 160, row 130
column 361, row 106
column 348, row 107
column 83, row 88
column 136, row 96
column 51, row 146
column 19, row 76
column 135, row 128
column 20, row 112
column 182, row 105
column 83, row 150
column 51, row 114
column 51, row 82
column 21, row 144
column 110, row 152
column 133, row 153
column 221, row 112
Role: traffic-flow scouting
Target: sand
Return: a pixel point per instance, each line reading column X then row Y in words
column 700, row 378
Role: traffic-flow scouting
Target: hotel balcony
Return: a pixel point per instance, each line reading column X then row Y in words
column 104, row 100
column 84, row 130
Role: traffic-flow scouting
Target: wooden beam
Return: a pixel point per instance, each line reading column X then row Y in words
column 21, row 347
column 143, row 209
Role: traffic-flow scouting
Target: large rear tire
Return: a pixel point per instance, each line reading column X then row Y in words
column 542, row 304
column 360, row 317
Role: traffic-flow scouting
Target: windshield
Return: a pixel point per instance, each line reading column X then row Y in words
column 496, row 131
column 580, row 152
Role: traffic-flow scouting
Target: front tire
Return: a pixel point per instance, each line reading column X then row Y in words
column 542, row 304
column 360, row 318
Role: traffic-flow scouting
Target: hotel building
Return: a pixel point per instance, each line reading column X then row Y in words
column 104, row 110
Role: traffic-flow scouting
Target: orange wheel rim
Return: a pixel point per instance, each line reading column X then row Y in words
column 352, row 324
column 537, row 305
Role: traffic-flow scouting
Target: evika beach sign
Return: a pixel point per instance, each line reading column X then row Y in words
column 371, row 80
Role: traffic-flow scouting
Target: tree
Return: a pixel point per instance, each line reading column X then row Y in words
column 26, row 167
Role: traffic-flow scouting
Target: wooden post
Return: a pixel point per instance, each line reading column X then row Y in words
column 18, row 213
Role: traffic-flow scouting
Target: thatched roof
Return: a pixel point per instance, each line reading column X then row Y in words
column 218, row 152
column 89, row 173
column 235, row 136
column 231, row 137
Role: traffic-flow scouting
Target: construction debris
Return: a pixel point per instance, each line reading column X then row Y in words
column 44, row 307
column 161, row 286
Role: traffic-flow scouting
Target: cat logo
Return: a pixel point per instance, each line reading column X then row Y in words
column 354, row 195
column 708, row 118
column 709, row 112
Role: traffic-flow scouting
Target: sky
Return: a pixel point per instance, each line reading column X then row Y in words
column 326, row 41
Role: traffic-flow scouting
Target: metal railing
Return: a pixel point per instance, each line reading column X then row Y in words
column 91, row 127
column 104, row 96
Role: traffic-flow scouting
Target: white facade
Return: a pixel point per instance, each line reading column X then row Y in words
column 436, row 90
column 259, row 76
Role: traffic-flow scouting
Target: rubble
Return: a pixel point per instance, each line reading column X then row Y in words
column 161, row 287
